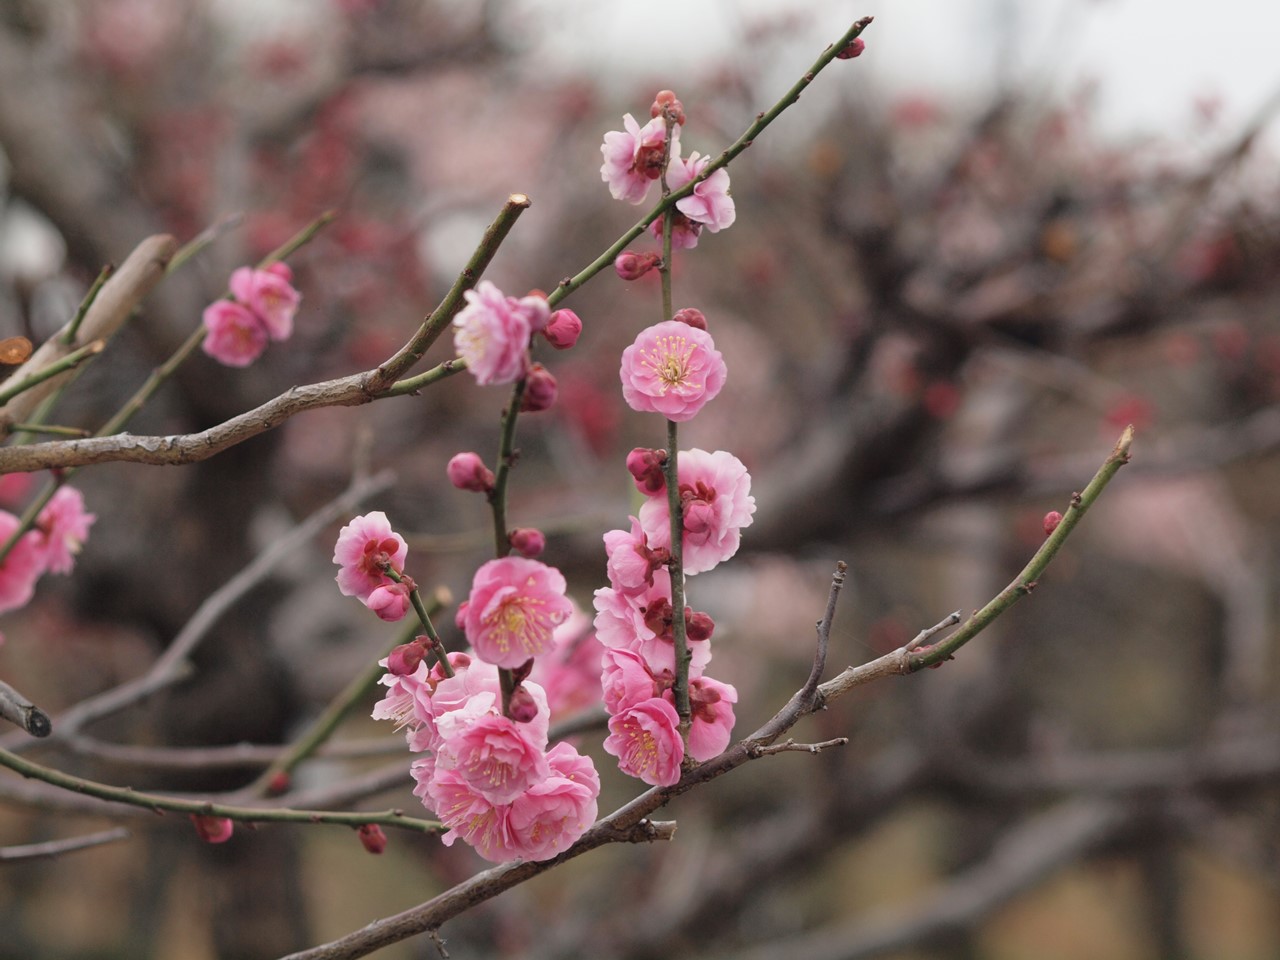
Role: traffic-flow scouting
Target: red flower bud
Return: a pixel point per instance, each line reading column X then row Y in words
column 854, row 49
column 279, row 784
column 527, row 541
column 522, row 708
column 666, row 102
column 645, row 467
column 633, row 266
column 698, row 625
column 468, row 472
column 1051, row 521
column 213, row 829
column 539, row 390
column 372, row 837
column 692, row 316
column 404, row 659
column 563, row 329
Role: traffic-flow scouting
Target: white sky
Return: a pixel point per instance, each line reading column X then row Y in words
column 1152, row 58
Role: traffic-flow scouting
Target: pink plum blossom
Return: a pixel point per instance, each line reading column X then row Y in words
column 269, row 295
column 234, row 336
column 469, row 816
column 671, row 369
column 710, row 204
column 570, row 674
column 492, row 333
column 364, row 546
column 492, row 755
column 715, row 491
column 684, row 232
column 646, row 740
column 633, row 157
column 548, row 818
column 390, row 601
column 625, row 680
column 23, row 565
column 63, row 525
column 711, row 704
column 563, row 329
column 513, row 609
column 631, row 562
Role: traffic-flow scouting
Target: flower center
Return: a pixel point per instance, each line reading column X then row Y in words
column 671, row 362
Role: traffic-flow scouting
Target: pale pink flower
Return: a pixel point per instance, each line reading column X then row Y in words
column 631, row 562
column 468, row 814
column 548, row 818
column 492, row 333
column 23, row 565
column 492, row 755
column 514, row 607
column 364, row 546
column 63, row 525
column 625, row 680
column 646, row 741
column 633, row 157
column 621, row 620
column 234, row 336
column 407, row 702
column 715, row 490
column 570, row 674
column 269, row 295
column 710, row 203
column 671, row 369
column 711, row 703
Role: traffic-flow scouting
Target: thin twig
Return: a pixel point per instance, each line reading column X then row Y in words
column 56, row 848
column 17, row 709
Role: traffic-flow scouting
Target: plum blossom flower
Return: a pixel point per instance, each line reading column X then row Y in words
column 23, row 565
column 365, row 546
column 234, row 337
column 715, row 490
column 63, row 525
column 672, row 369
column 491, row 754
column 710, row 203
column 469, row 816
column 646, row 741
column 625, row 680
column 711, row 704
column 631, row 562
column 513, row 609
column 269, row 295
column 633, row 157
column 492, row 333
column 570, row 674
column 546, row 819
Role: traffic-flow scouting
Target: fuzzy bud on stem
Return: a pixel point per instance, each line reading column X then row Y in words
column 633, row 266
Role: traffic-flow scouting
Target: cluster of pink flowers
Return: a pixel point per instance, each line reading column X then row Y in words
column 261, row 309
column 633, row 160
column 49, row 547
column 485, row 768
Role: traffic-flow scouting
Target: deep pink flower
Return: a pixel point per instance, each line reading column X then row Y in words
column 710, row 203
column 514, row 607
column 633, row 157
column 715, row 490
column 527, row 541
column 372, row 838
column 563, row 329
column 492, row 333
column 646, row 741
column 269, row 296
column 22, row 567
column 711, row 704
column 625, row 680
column 63, row 525
column 645, row 466
column 235, row 336
column 491, row 754
column 671, row 369
column 364, row 545
column 548, row 818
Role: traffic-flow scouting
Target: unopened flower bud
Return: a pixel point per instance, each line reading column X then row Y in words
column 539, row 390
column 854, row 49
column 468, row 472
column 527, row 541
column 279, row 784
column 1051, row 521
column 633, row 266
column 563, row 329
column 404, row 659
column 692, row 316
column 372, row 837
column 213, row 829
column 666, row 102
column 645, row 467
column 391, row 600
column 522, row 707
column 698, row 625
column 280, row 269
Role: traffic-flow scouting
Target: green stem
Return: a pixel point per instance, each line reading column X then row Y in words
column 74, row 327
column 498, row 503
column 204, row 808
column 411, row 385
column 570, row 284
column 69, row 362
column 206, row 237
column 1026, row 581
column 675, row 507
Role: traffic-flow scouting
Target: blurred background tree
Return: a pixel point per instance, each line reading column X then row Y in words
column 937, row 314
